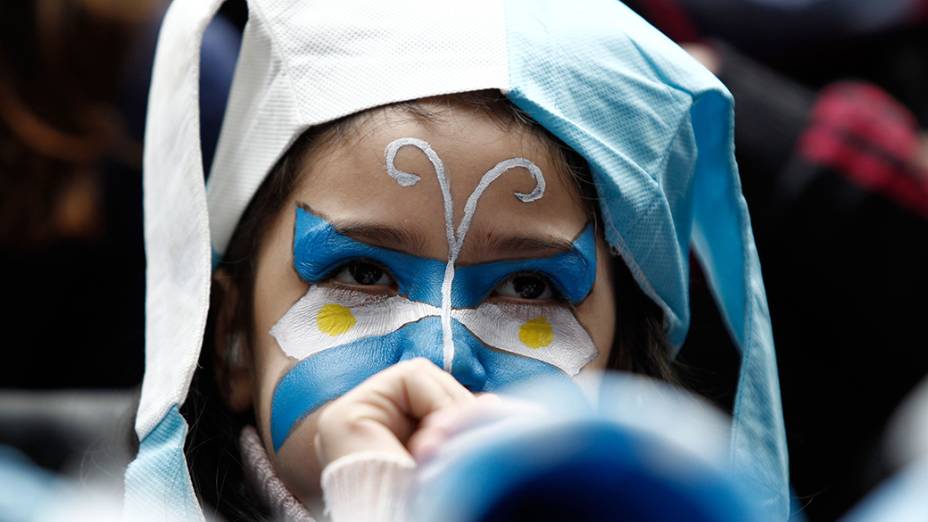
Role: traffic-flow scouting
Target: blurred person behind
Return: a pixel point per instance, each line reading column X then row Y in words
column 61, row 64
column 70, row 224
column 73, row 90
column 831, row 136
column 74, row 78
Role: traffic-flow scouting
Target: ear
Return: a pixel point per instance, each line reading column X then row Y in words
column 232, row 350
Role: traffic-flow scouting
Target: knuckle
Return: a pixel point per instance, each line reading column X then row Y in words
column 328, row 419
column 419, row 364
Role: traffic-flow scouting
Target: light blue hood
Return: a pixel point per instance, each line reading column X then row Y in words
column 657, row 130
column 655, row 127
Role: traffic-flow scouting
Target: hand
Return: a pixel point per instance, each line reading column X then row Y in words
column 383, row 412
column 459, row 417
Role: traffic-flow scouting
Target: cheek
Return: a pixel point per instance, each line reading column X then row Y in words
column 277, row 288
column 295, row 463
column 597, row 312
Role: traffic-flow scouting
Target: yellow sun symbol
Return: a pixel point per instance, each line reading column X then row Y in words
column 536, row 333
column 335, row 319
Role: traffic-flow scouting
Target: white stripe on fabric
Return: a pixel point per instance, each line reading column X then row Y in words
column 177, row 244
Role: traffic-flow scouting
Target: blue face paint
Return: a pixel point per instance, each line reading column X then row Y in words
column 327, row 375
column 318, row 249
column 573, row 273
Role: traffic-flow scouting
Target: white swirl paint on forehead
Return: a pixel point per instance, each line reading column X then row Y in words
column 456, row 239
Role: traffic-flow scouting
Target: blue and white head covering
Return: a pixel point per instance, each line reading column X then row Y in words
column 655, row 127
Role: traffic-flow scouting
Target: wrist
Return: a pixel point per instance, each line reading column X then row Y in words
column 369, row 485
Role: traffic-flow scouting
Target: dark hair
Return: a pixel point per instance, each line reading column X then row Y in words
column 212, row 451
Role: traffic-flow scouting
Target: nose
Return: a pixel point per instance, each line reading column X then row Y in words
column 475, row 365
column 424, row 339
column 480, row 367
column 468, row 365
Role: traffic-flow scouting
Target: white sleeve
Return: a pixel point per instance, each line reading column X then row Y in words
column 367, row 487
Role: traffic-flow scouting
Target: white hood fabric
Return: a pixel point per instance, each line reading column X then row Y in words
column 655, row 127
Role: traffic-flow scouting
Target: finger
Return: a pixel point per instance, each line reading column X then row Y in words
column 429, row 389
column 452, row 387
column 444, row 424
column 338, row 436
column 436, row 428
column 401, row 395
column 384, row 410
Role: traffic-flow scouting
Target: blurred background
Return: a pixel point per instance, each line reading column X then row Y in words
column 832, row 141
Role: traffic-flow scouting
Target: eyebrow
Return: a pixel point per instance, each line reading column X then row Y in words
column 492, row 246
column 506, row 247
column 399, row 239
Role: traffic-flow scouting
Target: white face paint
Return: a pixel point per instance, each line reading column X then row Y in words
column 341, row 334
column 327, row 317
column 548, row 333
column 456, row 239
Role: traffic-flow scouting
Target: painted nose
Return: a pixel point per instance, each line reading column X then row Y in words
column 468, row 365
column 424, row 339
column 482, row 368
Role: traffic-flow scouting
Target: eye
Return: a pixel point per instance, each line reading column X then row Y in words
column 362, row 273
column 530, row 287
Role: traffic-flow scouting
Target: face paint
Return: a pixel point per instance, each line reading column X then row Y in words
column 548, row 333
column 573, row 273
column 318, row 248
column 341, row 336
column 326, row 317
column 456, row 238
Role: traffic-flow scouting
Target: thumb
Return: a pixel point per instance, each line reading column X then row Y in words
column 381, row 413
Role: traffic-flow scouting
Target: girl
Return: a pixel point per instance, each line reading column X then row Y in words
column 403, row 206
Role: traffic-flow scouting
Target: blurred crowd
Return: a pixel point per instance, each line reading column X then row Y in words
column 832, row 142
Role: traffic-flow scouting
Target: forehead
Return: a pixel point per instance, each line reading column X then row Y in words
column 346, row 180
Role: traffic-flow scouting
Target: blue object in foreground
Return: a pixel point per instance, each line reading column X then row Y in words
column 636, row 449
column 579, row 471
column 583, row 471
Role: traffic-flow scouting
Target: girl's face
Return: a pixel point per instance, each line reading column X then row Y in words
column 353, row 274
